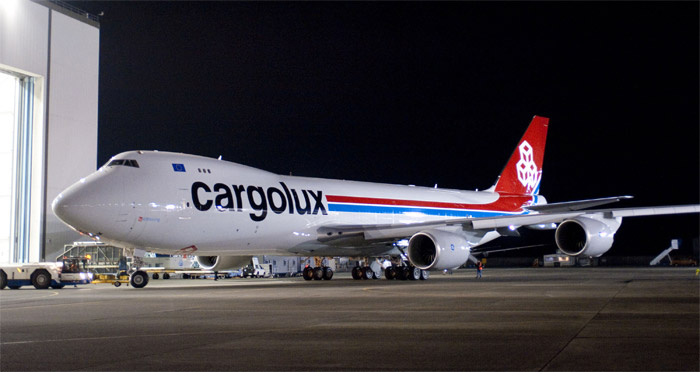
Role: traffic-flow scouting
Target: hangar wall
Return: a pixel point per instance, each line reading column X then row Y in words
column 52, row 56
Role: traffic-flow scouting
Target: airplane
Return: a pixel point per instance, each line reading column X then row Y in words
column 224, row 213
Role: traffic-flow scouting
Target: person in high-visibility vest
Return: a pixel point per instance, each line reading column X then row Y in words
column 479, row 268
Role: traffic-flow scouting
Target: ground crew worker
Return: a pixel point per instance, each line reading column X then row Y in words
column 479, row 268
column 122, row 266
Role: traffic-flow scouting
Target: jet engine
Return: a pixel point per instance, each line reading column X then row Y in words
column 221, row 263
column 586, row 236
column 437, row 250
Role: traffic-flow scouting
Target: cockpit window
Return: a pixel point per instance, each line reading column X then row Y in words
column 124, row 162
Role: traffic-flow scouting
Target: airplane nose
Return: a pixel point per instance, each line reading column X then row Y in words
column 90, row 205
column 68, row 206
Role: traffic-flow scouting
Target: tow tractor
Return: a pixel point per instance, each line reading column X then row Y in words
column 42, row 275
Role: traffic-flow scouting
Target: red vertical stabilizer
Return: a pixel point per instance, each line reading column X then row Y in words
column 523, row 173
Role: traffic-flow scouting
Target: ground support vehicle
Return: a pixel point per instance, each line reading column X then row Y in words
column 159, row 272
column 115, row 279
column 256, row 269
column 43, row 275
column 137, row 279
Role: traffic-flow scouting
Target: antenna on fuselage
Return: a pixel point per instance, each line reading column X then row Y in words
column 219, row 157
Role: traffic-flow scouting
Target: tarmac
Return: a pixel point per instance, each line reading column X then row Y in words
column 549, row 319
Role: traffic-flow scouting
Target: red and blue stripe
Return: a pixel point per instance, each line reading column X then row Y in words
column 509, row 204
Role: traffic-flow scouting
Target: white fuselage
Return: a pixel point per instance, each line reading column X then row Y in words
column 177, row 203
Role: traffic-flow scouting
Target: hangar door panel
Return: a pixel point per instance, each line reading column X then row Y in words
column 16, row 98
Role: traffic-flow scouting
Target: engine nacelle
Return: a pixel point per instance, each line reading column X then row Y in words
column 437, row 250
column 222, row 263
column 586, row 236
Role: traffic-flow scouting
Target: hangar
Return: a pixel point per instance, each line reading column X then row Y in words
column 49, row 70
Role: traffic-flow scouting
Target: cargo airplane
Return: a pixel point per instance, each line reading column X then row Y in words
column 224, row 213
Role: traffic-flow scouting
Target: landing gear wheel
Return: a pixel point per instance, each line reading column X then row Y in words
column 3, row 279
column 424, row 274
column 327, row 273
column 156, row 276
column 308, row 273
column 166, row 276
column 403, row 273
column 367, row 273
column 41, row 279
column 318, row 273
column 390, row 273
column 413, row 273
column 357, row 273
column 138, row 279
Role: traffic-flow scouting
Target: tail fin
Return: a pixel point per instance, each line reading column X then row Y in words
column 523, row 173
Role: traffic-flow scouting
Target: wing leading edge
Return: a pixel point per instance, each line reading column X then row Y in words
column 373, row 233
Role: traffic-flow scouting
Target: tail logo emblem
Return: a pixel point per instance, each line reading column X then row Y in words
column 526, row 167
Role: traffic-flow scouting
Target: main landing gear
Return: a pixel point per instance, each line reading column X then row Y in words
column 398, row 270
column 364, row 273
column 320, row 272
column 406, row 273
column 391, row 273
column 317, row 273
column 366, row 270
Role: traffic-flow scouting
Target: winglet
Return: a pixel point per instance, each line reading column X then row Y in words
column 523, row 172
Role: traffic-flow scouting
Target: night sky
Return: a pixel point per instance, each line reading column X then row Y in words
column 417, row 93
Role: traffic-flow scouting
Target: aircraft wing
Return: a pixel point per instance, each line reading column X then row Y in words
column 398, row 231
column 575, row 205
column 536, row 219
